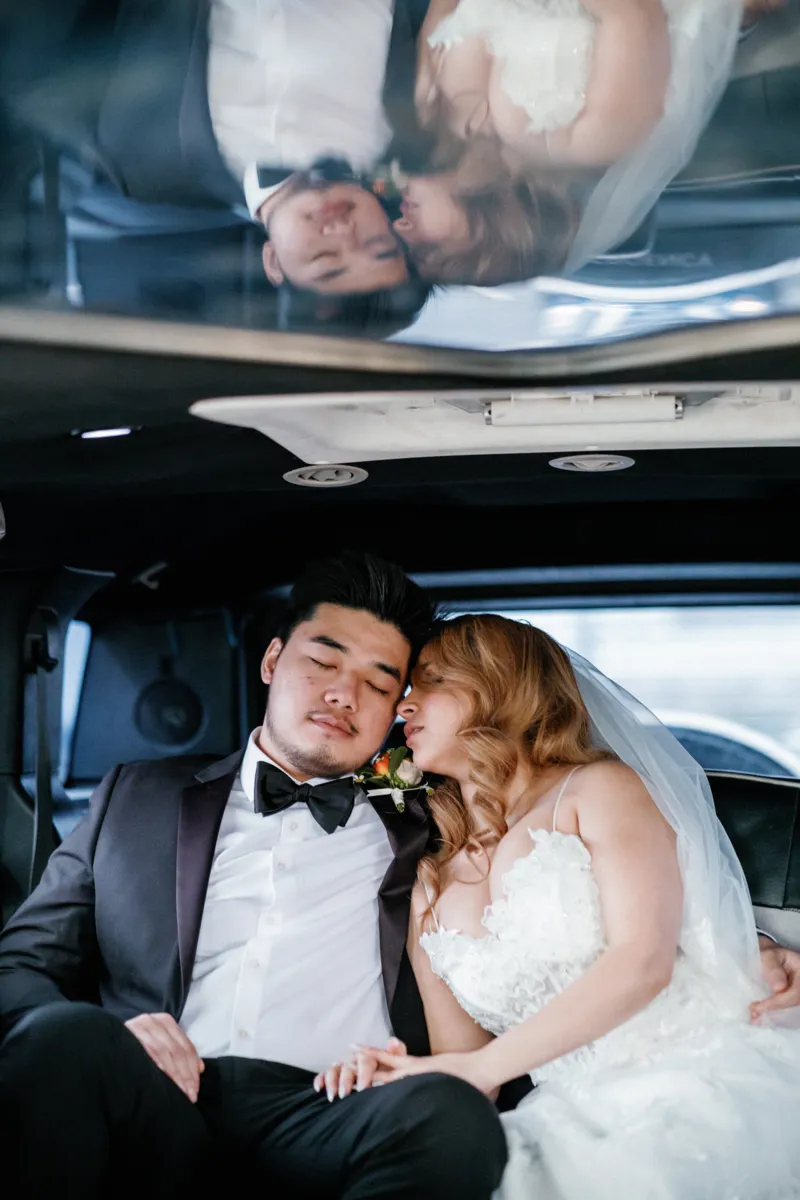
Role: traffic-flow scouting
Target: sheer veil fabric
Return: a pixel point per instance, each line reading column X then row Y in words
column 719, row 932
column 703, row 36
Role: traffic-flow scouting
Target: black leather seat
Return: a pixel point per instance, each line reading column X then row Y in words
column 760, row 816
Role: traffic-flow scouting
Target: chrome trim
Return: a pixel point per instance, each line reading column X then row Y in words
column 782, row 780
column 138, row 336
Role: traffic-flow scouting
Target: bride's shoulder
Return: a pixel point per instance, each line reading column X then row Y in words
column 607, row 775
column 608, row 793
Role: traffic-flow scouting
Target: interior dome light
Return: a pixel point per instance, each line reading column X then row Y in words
column 89, row 435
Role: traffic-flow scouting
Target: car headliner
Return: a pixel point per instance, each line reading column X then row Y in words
column 211, row 500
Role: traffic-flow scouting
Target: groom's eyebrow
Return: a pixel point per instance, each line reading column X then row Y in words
column 322, row 639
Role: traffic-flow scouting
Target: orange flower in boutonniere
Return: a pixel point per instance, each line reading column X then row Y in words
column 391, row 774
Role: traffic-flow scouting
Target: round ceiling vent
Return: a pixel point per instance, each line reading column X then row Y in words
column 328, row 476
column 592, row 462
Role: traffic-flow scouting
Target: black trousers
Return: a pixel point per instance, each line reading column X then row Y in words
column 85, row 1113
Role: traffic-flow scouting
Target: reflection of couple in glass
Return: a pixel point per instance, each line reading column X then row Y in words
column 385, row 147
column 554, row 126
column 536, row 136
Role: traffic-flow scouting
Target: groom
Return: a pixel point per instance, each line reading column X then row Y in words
column 178, row 102
column 242, row 924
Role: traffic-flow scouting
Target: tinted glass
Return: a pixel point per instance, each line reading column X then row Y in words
column 494, row 174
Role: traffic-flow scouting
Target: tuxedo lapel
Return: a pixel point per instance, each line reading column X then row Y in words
column 409, row 143
column 160, row 137
column 202, row 806
column 200, row 152
column 408, row 834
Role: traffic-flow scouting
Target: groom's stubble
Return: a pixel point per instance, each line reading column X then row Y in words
column 322, row 763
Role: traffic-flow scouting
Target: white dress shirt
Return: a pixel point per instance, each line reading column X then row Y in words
column 288, row 963
column 290, row 81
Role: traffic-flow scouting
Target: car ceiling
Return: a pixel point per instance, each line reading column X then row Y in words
column 211, row 500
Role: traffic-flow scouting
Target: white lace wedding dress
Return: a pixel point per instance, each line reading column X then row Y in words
column 685, row 1101
column 546, row 49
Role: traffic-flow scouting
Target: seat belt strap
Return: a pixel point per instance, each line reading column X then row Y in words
column 40, row 662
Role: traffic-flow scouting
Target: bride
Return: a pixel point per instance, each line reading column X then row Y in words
column 584, row 920
column 624, row 87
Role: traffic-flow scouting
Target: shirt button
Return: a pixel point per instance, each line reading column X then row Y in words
column 244, row 1034
column 255, row 965
column 293, row 827
column 281, row 867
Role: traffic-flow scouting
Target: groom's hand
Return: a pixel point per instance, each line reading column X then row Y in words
column 170, row 1049
column 781, row 969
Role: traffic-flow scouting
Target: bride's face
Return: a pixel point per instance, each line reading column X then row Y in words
column 430, row 212
column 435, row 715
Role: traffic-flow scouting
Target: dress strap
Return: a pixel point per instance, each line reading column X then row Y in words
column 561, row 793
column 433, row 909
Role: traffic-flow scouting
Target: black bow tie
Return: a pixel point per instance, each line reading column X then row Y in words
column 330, row 803
column 322, row 170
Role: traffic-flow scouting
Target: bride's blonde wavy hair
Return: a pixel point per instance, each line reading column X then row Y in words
column 525, row 706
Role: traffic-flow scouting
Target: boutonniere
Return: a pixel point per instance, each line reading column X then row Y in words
column 392, row 774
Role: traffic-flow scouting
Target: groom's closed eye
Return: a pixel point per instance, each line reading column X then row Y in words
column 341, row 272
column 384, row 253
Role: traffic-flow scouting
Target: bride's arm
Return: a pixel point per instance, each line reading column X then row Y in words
column 627, row 85
column 449, row 1027
column 636, row 867
column 425, row 83
column 635, row 864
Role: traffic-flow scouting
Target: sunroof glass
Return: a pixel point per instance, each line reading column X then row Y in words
column 494, row 176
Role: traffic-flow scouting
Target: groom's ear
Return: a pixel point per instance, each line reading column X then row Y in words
column 272, row 267
column 273, row 653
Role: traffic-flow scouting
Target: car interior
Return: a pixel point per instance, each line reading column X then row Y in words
column 612, row 453
column 143, row 573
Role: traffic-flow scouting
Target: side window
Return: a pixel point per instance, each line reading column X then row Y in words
column 77, row 642
column 723, row 678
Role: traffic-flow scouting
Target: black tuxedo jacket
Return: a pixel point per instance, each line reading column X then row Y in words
column 124, row 82
column 117, row 914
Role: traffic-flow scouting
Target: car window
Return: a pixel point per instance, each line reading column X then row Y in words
column 725, row 679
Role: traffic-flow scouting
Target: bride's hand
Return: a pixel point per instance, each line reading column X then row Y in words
column 467, row 1065
column 781, row 971
column 340, row 1079
column 753, row 9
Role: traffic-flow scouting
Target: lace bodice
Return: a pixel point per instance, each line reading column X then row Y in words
column 545, row 47
column 543, row 934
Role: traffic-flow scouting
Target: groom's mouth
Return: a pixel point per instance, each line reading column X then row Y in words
column 333, row 725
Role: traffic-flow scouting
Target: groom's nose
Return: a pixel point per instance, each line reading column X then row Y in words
column 342, row 694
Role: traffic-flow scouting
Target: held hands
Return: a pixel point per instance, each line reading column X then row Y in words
column 170, row 1049
column 781, row 970
column 359, row 1074
column 372, row 1068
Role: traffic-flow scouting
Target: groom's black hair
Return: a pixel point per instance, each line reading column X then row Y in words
column 376, row 314
column 366, row 583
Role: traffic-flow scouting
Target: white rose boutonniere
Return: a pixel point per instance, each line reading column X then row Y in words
column 391, row 774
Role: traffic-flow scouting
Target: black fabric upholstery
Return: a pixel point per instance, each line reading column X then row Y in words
column 760, row 816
